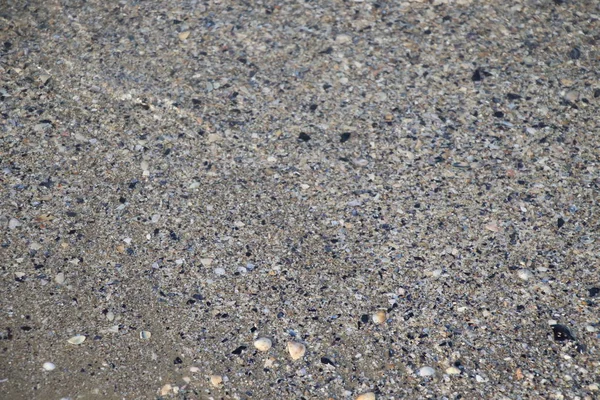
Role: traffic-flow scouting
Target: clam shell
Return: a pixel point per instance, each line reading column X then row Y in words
column 145, row 335
column 296, row 350
column 366, row 396
column 77, row 339
column 263, row 344
column 379, row 316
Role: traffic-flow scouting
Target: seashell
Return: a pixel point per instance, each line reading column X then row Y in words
column 77, row 339
column 216, row 380
column 296, row 350
column 263, row 344
column 48, row 366
column 366, row 396
column 379, row 316
column 145, row 335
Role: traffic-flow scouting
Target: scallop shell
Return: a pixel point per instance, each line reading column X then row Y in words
column 77, row 339
column 263, row 344
column 296, row 350
column 366, row 396
column 379, row 316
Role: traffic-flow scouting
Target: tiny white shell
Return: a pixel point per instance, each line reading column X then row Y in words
column 426, row 371
column 452, row 371
column 145, row 335
column 263, row 344
column 296, row 350
column 77, row 339
column 379, row 316
column 48, row 366
column 366, row 396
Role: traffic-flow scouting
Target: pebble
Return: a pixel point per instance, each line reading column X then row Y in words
column 591, row 328
column 426, row 371
column 216, row 380
column 48, row 366
column 452, row 371
column 379, row 317
column 366, row 396
column 145, row 335
column 525, row 274
column 110, row 316
column 296, row 350
column 77, row 339
column 263, row 344
column 194, row 369
column 220, row 271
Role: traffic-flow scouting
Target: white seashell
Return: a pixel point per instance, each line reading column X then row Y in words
column 216, row 380
column 194, row 369
column 426, row 371
column 263, row 344
column 145, row 335
column 77, row 339
column 110, row 316
column 48, row 366
column 296, row 350
column 379, row 316
column 366, row 396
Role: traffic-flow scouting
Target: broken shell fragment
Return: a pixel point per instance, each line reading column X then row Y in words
column 77, row 339
column 296, row 350
column 48, row 366
column 263, row 344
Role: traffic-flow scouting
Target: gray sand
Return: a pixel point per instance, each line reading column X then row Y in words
column 213, row 172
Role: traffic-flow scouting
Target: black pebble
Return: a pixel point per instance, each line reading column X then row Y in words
column 512, row 96
column 178, row 361
column 499, row 114
column 594, row 291
column 304, row 137
column 560, row 222
column 198, row 297
column 313, row 107
column 476, row 76
column 596, row 93
column 365, row 319
column 344, row 137
column 575, row 54
column 239, row 350
column 562, row 333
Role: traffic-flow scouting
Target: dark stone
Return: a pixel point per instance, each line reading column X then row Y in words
column 178, row 361
column 560, row 222
column 513, row 96
column 562, row 333
column 499, row 114
column 344, row 137
column 364, row 319
column 596, row 93
column 304, row 137
column 477, row 77
column 594, row 291
column 198, row 297
column 575, row 54
column 239, row 350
